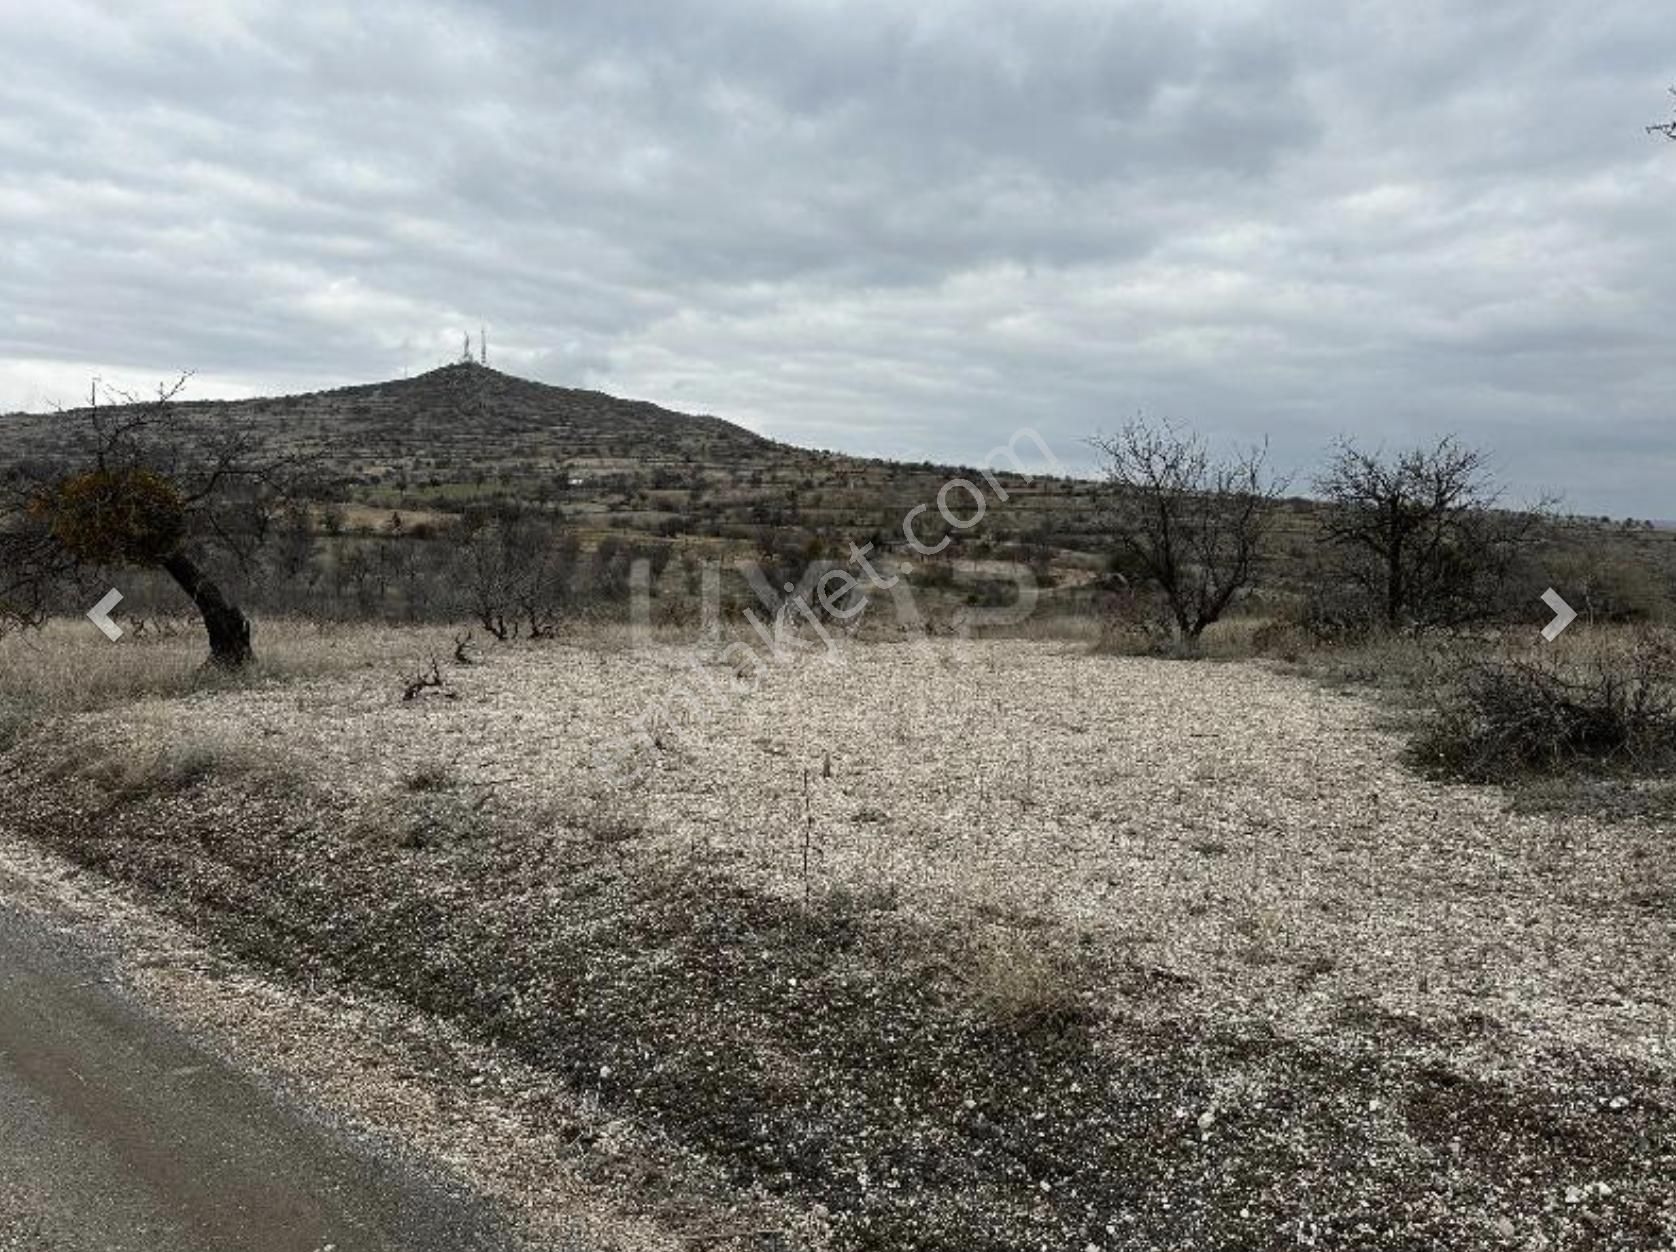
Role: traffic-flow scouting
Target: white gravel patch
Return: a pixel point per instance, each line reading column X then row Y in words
column 1249, row 831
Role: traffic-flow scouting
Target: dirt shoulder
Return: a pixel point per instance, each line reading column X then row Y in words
column 118, row 1132
column 433, row 1120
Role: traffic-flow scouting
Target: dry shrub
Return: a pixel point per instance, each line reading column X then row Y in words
column 1334, row 612
column 852, row 901
column 435, row 819
column 1022, row 987
column 1243, row 637
column 1615, row 589
column 1606, row 799
column 430, row 777
column 431, row 806
column 1282, row 640
column 1240, row 637
column 1405, row 669
column 16, row 716
column 1134, row 623
column 603, row 815
column 1058, row 622
column 169, row 769
column 1498, row 719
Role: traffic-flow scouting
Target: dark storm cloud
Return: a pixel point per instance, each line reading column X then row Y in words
column 894, row 229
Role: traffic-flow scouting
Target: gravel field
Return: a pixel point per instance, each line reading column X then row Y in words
column 1248, row 830
column 1249, row 900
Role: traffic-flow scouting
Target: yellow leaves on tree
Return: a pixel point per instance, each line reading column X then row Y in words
column 114, row 517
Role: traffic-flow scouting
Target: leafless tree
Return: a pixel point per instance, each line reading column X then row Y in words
column 1421, row 532
column 293, row 554
column 1193, row 526
column 545, row 563
column 146, row 486
column 515, row 572
column 1667, row 129
column 32, row 562
column 486, row 578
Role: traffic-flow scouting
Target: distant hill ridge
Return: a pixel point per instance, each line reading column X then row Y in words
column 459, row 417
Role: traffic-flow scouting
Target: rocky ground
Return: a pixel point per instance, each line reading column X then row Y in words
column 964, row 945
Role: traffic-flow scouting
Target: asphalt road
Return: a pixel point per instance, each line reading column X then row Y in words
column 117, row 1133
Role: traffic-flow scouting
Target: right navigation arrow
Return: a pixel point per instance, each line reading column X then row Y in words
column 1564, row 615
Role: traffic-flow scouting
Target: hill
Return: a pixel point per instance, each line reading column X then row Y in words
column 463, row 420
column 466, row 434
column 417, row 452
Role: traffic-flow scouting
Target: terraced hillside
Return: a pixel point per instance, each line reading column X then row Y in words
column 460, row 419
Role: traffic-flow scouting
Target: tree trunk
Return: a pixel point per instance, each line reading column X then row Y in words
column 1395, row 592
column 228, row 628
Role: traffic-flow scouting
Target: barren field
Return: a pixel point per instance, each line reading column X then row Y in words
column 965, row 945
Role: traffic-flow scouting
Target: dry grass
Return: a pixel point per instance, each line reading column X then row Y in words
column 1242, row 637
column 1399, row 666
column 68, row 667
column 1018, row 982
column 131, row 773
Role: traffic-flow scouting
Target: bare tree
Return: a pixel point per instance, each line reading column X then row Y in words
column 147, row 487
column 293, row 556
column 545, row 563
column 1420, row 533
column 1667, row 129
column 32, row 562
column 485, row 578
column 1192, row 526
column 514, row 570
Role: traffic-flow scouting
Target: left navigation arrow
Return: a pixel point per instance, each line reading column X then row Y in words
column 100, row 615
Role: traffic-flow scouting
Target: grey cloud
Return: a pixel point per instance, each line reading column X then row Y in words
column 888, row 228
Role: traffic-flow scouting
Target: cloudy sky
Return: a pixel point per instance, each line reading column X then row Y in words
column 895, row 229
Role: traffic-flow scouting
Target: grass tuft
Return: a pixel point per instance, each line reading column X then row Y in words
column 1022, row 988
column 127, row 776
